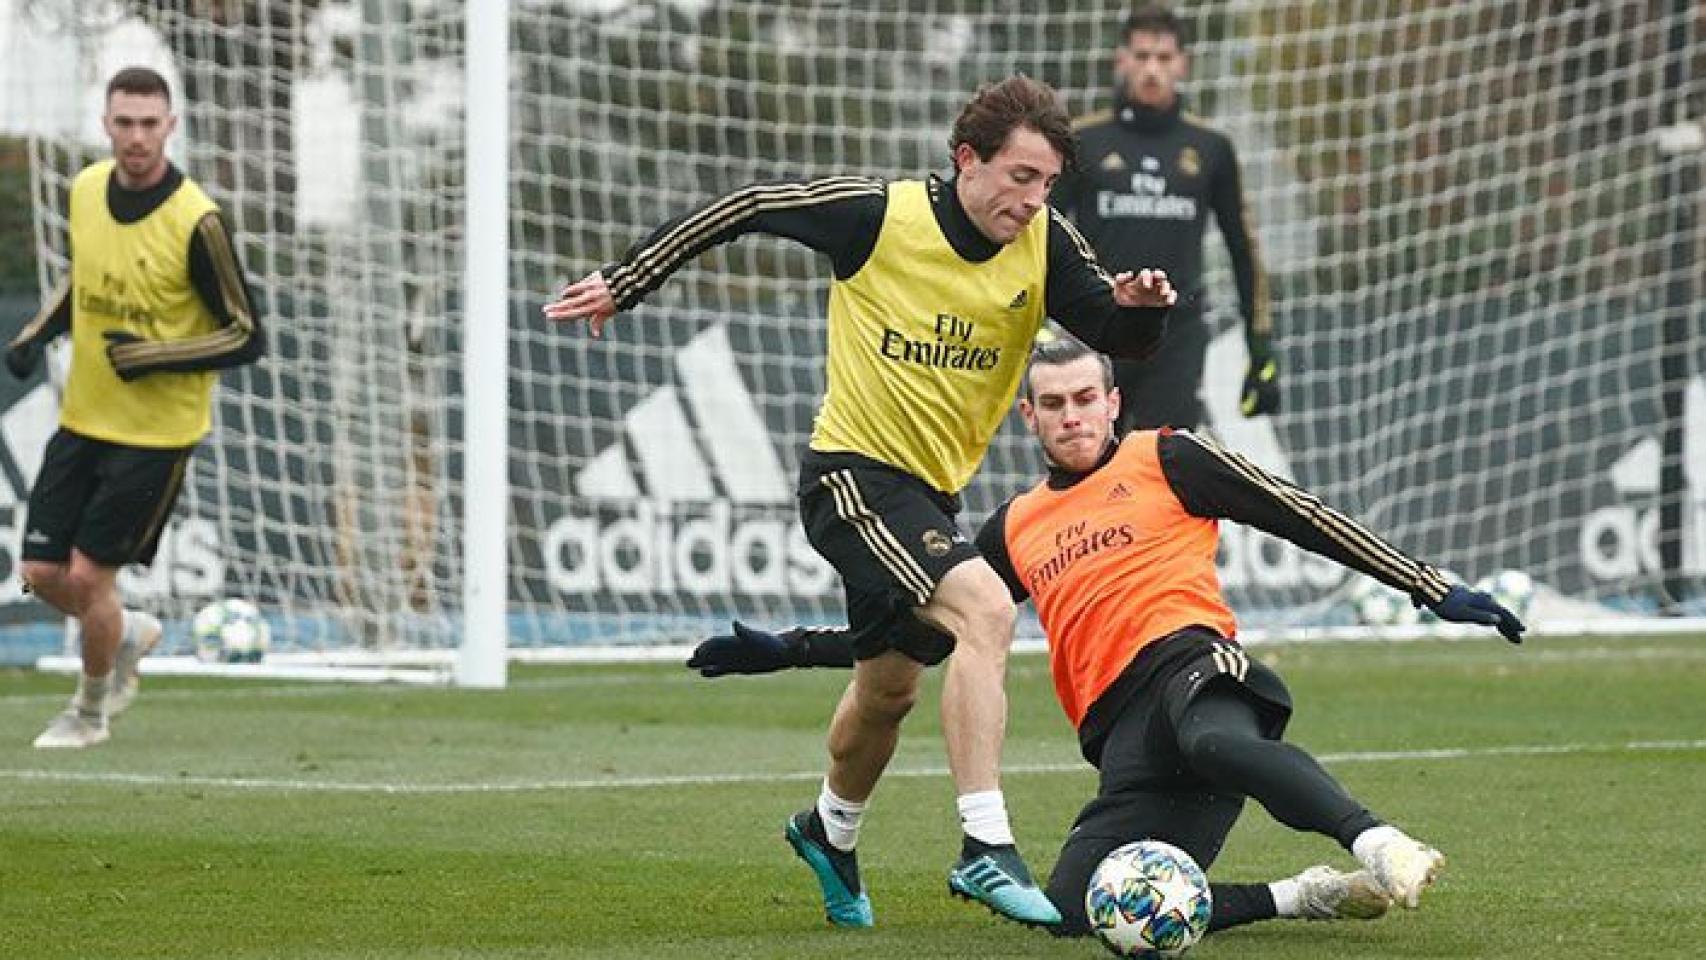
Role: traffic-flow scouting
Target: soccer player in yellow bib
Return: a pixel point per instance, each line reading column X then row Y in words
column 940, row 288
column 155, row 304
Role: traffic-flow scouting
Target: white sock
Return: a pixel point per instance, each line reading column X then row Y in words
column 1369, row 842
column 983, row 815
column 91, row 700
column 840, row 818
column 1288, row 897
column 127, row 627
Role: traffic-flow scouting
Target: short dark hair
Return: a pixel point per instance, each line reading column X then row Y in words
column 1155, row 18
column 992, row 114
column 1060, row 349
column 143, row 81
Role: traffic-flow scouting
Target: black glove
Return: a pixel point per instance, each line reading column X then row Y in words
column 1261, row 382
column 1463, row 605
column 115, row 340
column 746, row 651
column 23, row 359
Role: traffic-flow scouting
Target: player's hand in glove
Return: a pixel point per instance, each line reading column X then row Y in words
column 23, row 359
column 746, row 651
column 1463, row 605
column 1261, row 382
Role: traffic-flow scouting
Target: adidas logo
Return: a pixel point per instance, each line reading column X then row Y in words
column 986, row 875
column 1020, row 299
column 1618, row 539
column 677, row 459
column 1113, row 163
column 1120, row 492
column 691, row 498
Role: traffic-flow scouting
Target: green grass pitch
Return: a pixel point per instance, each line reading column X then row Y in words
column 636, row 811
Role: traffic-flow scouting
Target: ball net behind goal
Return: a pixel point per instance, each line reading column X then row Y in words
column 1473, row 247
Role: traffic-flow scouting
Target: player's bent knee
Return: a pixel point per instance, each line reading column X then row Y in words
column 44, row 574
column 890, row 706
column 1213, row 749
column 886, row 689
column 86, row 582
column 973, row 604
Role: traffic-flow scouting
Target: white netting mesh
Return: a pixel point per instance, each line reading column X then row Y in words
column 1461, row 208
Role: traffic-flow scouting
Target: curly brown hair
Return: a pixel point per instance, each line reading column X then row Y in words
column 992, row 114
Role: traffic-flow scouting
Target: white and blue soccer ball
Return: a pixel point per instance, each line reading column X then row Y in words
column 230, row 631
column 1378, row 605
column 1513, row 589
column 1148, row 899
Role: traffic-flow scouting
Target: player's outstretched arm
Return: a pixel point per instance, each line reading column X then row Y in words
column 1212, row 481
column 837, row 216
column 751, row 651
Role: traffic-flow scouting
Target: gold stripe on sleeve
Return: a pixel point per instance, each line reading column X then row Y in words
column 664, row 254
column 1355, row 538
column 33, row 329
column 1082, row 245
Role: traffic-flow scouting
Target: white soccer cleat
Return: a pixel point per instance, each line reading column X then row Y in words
column 71, row 730
column 140, row 640
column 1328, row 894
column 1405, row 867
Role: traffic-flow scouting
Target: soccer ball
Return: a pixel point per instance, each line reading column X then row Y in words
column 1148, row 899
column 1378, row 605
column 1513, row 589
column 230, row 631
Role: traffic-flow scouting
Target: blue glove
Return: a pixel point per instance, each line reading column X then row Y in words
column 745, row 651
column 1463, row 605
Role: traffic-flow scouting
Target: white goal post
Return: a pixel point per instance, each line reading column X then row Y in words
column 1482, row 267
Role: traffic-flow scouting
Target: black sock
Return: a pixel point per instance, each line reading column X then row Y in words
column 1236, row 904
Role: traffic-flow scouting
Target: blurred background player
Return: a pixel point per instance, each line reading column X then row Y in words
column 939, row 290
column 155, row 303
column 1116, row 550
column 1147, row 177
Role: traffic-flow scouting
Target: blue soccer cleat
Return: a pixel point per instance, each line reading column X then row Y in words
column 996, row 877
column 845, row 903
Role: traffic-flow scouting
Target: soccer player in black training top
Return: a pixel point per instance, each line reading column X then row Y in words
column 1148, row 174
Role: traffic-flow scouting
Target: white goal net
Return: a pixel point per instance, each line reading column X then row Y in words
column 1482, row 268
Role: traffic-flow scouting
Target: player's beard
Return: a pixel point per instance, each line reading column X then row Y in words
column 140, row 165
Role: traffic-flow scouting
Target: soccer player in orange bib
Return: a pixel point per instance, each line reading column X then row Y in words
column 1116, row 550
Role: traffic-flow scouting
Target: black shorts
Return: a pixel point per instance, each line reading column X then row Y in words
column 108, row 500
column 892, row 538
column 1141, row 750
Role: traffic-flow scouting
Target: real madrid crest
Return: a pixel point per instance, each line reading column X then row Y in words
column 937, row 543
column 1190, row 164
